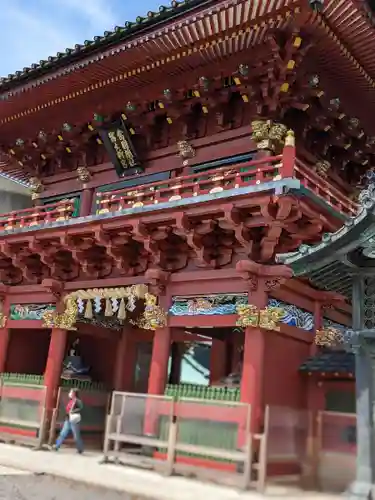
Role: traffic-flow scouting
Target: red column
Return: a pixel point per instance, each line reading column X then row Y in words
column 252, row 379
column 86, row 202
column 4, row 332
column 157, row 379
column 126, row 358
column 54, row 365
column 159, row 362
column 4, row 342
column 261, row 279
column 289, row 156
column 218, row 360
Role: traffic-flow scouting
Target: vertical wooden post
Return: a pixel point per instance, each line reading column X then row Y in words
column 86, row 202
column 54, row 364
column 218, row 360
column 4, row 343
column 252, row 379
column 177, row 350
column 4, row 331
column 159, row 362
column 289, row 156
column 261, row 281
column 126, row 358
column 157, row 377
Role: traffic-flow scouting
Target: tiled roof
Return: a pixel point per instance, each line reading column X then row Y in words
column 329, row 361
column 109, row 38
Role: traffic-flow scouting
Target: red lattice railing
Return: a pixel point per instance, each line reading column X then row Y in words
column 230, row 177
column 323, row 189
column 28, row 217
column 211, row 182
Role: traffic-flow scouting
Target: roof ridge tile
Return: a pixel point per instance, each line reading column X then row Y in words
column 121, row 32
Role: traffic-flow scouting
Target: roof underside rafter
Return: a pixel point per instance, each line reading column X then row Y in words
column 100, row 43
column 224, row 28
column 204, row 31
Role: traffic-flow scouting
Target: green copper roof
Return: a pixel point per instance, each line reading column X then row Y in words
column 331, row 264
column 109, row 38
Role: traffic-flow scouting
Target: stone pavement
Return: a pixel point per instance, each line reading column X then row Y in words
column 137, row 483
column 28, row 486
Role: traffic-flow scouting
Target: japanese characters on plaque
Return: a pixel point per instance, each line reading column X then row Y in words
column 118, row 143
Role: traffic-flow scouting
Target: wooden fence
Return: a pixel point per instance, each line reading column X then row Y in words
column 189, row 434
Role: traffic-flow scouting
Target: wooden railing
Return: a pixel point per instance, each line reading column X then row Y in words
column 211, row 182
column 323, row 189
column 28, row 217
column 219, row 180
column 222, row 179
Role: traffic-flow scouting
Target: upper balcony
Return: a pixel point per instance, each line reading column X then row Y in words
column 279, row 175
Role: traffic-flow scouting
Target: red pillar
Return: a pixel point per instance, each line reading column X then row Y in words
column 218, row 360
column 54, row 365
column 262, row 279
column 4, row 332
column 159, row 362
column 86, row 202
column 126, row 358
column 157, row 379
column 252, row 379
column 289, row 156
column 4, row 342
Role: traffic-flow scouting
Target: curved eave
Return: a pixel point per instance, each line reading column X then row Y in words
column 216, row 34
column 101, row 43
column 351, row 22
column 333, row 247
column 204, row 19
column 336, row 61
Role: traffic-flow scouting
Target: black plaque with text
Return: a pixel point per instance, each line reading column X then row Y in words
column 118, row 143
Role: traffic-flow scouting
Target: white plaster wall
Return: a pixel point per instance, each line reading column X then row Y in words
column 13, row 196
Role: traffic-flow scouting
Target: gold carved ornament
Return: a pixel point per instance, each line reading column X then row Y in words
column 154, row 316
column 185, row 151
column 322, row 167
column 83, row 174
column 36, row 187
column 269, row 135
column 268, row 318
column 65, row 320
column 329, row 337
column 3, row 317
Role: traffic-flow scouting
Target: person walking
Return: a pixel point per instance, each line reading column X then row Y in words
column 72, row 422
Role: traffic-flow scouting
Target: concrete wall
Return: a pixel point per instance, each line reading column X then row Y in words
column 13, row 196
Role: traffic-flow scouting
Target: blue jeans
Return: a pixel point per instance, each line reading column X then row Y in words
column 75, row 429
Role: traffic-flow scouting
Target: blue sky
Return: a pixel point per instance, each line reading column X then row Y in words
column 33, row 30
